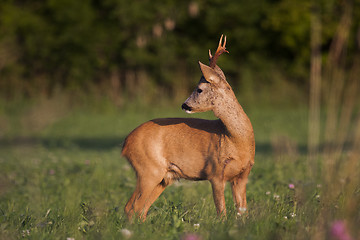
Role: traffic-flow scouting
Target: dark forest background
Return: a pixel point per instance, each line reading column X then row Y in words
column 117, row 47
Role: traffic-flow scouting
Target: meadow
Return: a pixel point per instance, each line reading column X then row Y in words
column 62, row 177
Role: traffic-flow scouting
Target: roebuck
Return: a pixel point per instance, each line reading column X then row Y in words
column 166, row 149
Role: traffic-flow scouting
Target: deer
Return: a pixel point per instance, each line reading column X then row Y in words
column 164, row 150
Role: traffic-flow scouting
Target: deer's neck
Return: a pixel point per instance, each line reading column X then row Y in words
column 234, row 118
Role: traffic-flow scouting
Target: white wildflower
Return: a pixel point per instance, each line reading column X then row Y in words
column 126, row 232
column 26, row 233
column 268, row 193
column 276, row 197
column 196, row 225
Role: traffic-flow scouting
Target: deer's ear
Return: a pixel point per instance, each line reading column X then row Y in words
column 209, row 74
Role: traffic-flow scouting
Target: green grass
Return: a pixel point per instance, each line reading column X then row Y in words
column 65, row 178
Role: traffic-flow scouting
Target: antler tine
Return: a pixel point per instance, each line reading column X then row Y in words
column 219, row 46
column 220, row 50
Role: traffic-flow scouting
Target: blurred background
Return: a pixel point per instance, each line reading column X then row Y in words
column 150, row 49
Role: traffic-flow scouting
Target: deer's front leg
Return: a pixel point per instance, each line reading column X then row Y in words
column 238, row 187
column 218, row 187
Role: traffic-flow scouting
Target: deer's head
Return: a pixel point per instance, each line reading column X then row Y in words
column 212, row 89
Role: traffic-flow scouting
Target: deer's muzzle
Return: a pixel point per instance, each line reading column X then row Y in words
column 186, row 108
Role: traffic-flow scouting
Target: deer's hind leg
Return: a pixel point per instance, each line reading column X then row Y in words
column 148, row 189
column 129, row 207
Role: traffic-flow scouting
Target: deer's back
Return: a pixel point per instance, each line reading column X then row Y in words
column 169, row 133
column 183, row 143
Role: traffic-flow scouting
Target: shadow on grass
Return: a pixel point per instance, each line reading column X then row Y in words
column 108, row 143
column 97, row 143
column 90, row 143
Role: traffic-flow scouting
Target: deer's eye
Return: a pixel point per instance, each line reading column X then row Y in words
column 199, row 90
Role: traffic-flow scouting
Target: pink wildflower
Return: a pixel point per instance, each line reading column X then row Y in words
column 191, row 236
column 291, row 186
column 339, row 231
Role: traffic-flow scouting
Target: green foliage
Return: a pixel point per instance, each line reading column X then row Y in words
column 74, row 44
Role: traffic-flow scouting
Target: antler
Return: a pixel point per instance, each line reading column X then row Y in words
column 220, row 50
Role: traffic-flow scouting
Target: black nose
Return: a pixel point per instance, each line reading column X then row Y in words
column 185, row 107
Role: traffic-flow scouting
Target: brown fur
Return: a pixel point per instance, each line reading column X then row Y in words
column 222, row 150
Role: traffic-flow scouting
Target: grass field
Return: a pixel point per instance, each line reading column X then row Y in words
column 62, row 177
